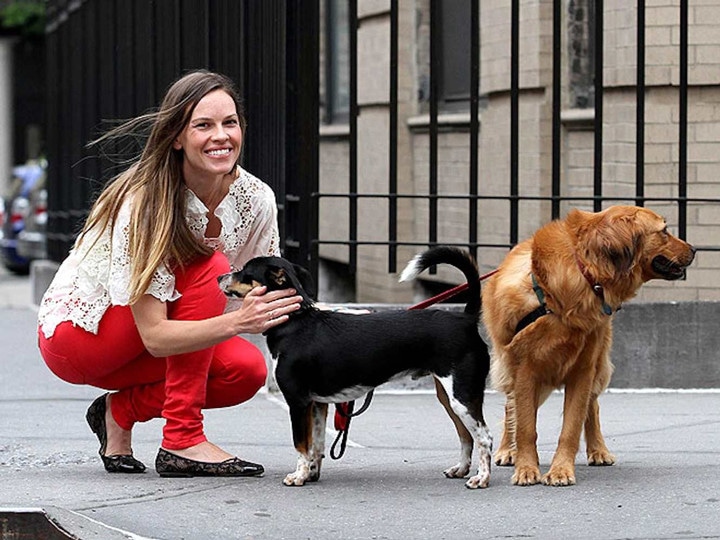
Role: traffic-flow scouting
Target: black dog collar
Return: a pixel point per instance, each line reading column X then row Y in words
column 534, row 315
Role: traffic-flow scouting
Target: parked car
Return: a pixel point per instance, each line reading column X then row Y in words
column 24, row 209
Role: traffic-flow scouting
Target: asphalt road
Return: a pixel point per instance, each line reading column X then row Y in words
column 389, row 484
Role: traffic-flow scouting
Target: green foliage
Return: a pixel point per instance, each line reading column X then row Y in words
column 27, row 17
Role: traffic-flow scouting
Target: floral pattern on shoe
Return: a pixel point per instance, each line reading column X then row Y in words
column 171, row 465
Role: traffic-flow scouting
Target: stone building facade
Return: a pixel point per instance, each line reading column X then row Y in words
column 373, row 283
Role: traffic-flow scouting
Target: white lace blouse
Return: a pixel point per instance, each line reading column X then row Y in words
column 96, row 275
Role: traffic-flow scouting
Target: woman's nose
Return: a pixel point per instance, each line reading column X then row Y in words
column 220, row 134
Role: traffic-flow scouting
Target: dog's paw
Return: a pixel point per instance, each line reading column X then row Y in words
column 526, row 476
column 458, row 471
column 478, row 481
column 559, row 476
column 314, row 473
column 601, row 457
column 505, row 458
column 295, row 479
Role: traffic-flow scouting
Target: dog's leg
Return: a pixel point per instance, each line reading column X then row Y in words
column 575, row 411
column 527, row 401
column 597, row 452
column 319, row 421
column 505, row 454
column 466, row 440
column 302, row 427
column 471, row 417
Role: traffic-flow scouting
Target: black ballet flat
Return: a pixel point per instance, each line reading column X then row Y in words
column 126, row 463
column 168, row 464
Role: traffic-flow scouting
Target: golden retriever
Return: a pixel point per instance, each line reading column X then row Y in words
column 548, row 312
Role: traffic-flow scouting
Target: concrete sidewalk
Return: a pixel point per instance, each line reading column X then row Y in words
column 389, row 485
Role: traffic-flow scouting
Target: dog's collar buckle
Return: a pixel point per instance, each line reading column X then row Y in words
column 597, row 289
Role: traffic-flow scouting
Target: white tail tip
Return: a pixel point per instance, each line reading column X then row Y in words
column 412, row 270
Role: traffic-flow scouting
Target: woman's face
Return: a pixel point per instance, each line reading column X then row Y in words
column 212, row 139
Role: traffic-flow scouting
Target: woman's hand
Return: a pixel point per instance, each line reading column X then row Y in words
column 261, row 310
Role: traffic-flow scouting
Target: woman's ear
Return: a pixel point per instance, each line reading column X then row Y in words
column 177, row 145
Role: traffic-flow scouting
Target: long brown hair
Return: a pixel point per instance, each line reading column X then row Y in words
column 159, row 233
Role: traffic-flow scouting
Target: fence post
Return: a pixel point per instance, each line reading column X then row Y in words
column 302, row 135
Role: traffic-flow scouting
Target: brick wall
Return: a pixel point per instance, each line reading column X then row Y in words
column 374, row 284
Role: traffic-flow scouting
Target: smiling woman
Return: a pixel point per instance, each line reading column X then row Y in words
column 135, row 308
column 210, row 142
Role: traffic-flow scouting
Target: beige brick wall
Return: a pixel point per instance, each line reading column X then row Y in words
column 662, row 37
column 661, row 169
column 661, row 175
column 535, row 44
column 333, row 212
column 372, row 280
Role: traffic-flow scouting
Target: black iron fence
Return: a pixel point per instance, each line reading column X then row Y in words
column 113, row 59
column 474, row 194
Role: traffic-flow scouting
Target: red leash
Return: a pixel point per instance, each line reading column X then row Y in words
column 344, row 411
column 448, row 294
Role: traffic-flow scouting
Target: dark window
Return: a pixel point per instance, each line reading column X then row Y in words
column 455, row 37
column 581, row 53
column 337, row 62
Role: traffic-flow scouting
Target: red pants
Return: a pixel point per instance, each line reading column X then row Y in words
column 175, row 387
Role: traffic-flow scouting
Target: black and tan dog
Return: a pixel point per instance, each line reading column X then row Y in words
column 326, row 357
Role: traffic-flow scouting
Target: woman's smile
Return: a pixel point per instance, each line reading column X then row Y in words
column 212, row 139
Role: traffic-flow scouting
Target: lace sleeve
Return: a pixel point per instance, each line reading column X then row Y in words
column 162, row 286
column 263, row 238
column 249, row 221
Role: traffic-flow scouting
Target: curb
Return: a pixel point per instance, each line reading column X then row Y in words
column 54, row 523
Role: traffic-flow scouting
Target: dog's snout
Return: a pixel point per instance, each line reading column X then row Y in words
column 689, row 255
column 224, row 281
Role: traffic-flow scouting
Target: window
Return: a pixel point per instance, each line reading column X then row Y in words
column 454, row 87
column 581, row 53
column 337, row 82
column 452, row 34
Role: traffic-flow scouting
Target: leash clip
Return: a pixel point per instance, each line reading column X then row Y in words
column 343, row 414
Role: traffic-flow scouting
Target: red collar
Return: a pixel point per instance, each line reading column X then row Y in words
column 596, row 287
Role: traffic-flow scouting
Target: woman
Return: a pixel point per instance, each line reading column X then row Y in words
column 136, row 308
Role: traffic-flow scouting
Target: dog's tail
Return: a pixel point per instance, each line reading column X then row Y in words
column 462, row 260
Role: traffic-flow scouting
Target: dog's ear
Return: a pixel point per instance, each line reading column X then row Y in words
column 615, row 243
column 306, row 280
column 288, row 275
column 277, row 278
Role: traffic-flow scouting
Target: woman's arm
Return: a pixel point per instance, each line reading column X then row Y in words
column 165, row 337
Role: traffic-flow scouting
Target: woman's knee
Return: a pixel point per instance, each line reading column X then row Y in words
column 257, row 370
column 251, row 368
column 240, row 365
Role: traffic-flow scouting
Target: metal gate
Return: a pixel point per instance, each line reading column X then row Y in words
column 598, row 199
column 112, row 59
